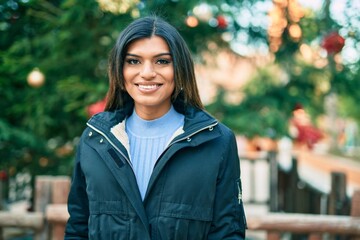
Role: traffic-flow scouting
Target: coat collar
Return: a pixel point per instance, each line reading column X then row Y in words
column 194, row 119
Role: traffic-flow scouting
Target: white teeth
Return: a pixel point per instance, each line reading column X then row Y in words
column 147, row 87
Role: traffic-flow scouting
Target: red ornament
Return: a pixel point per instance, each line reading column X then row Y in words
column 96, row 107
column 3, row 175
column 333, row 43
column 222, row 23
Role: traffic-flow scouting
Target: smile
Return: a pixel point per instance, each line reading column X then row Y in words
column 148, row 87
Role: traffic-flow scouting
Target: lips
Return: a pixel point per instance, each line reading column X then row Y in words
column 148, row 87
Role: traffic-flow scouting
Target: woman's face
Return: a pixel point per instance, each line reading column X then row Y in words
column 149, row 76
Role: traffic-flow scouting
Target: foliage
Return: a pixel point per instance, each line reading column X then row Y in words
column 69, row 42
column 271, row 95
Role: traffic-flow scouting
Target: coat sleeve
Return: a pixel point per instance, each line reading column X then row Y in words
column 78, row 204
column 229, row 220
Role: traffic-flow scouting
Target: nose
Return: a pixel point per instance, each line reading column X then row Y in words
column 148, row 71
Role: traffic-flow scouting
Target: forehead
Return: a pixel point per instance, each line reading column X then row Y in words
column 154, row 44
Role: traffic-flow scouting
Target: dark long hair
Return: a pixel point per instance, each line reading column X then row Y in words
column 186, row 91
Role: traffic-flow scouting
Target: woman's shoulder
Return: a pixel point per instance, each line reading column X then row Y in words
column 102, row 121
column 224, row 128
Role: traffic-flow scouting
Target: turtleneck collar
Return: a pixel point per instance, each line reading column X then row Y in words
column 154, row 128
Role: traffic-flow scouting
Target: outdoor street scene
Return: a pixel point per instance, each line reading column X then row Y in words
column 281, row 76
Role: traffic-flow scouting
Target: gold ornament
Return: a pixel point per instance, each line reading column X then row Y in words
column 36, row 78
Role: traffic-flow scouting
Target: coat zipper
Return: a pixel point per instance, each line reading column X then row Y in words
column 111, row 143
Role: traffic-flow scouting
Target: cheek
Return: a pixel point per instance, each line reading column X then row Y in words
column 126, row 74
column 129, row 76
column 170, row 76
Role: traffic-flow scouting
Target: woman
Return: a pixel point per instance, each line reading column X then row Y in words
column 155, row 165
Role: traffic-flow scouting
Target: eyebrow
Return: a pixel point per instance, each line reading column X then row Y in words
column 158, row 55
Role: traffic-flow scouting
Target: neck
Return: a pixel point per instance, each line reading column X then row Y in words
column 151, row 113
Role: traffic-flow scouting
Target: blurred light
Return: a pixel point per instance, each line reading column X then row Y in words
column 324, row 86
column 43, row 161
column 244, row 18
column 316, row 5
column 105, row 40
column 338, row 58
column 36, row 78
column 278, row 22
column 306, row 52
column 295, row 31
column 281, row 3
column 203, row 12
column 13, row 5
column 135, row 13
column 4, row 26
column 212, row 46
column 275, row 44
column 213, row 22
column 192, row 21
column 339, row 62
column 284, row 13
column 350, row 53
column 117, row 6
column 296, row 12
column 321, row 63
column 227, row 36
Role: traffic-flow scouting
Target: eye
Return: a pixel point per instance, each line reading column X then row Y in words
column 132, row 61
column 163, row 61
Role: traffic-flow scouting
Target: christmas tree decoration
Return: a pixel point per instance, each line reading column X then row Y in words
column 222, row 22
column 333, row 43
column 96, row 107
column 3, row 175
column 36, row 78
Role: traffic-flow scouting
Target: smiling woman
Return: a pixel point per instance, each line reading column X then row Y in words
column 149, row 76
column 155, row 165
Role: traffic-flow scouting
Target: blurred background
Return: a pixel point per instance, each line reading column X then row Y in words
column 283, row 74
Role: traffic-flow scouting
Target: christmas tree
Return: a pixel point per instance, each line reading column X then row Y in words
column 53, row 62
column 53, row 68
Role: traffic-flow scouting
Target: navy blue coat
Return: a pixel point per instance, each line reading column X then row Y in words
column 194, row 191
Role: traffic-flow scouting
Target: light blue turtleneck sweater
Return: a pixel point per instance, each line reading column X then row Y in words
column 148, row 139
